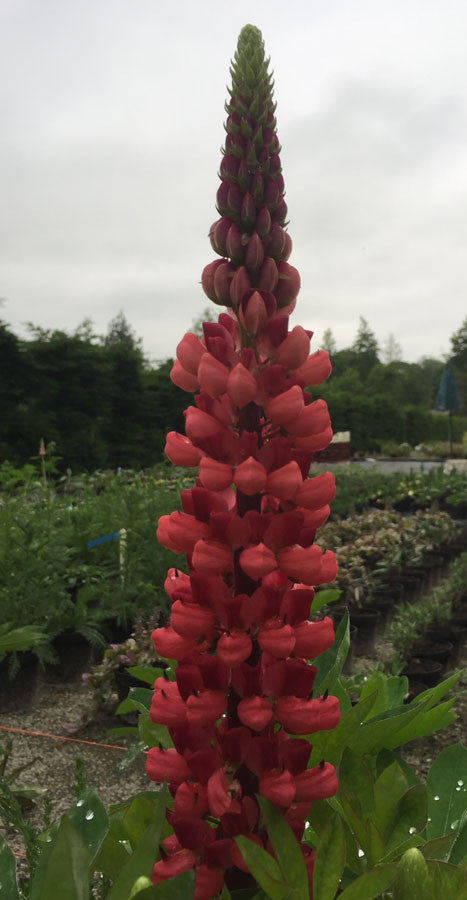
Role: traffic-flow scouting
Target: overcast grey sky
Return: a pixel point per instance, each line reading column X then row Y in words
column 111, row 123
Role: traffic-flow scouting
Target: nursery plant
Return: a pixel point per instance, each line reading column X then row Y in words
column 268, row 782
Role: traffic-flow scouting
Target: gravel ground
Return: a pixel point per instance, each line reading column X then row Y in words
column 51, row 763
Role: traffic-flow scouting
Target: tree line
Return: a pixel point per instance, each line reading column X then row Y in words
column 103, row 405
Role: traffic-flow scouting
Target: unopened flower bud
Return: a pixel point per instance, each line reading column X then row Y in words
column 289, row 284
column 207, row 278
column 239, row 285
column 263, row 222
column 254, row 253
column 268, row 276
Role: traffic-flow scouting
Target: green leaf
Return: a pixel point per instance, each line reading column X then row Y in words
column 112, row 856
column 388, row 790
column 90, row 819
column 9, row 888
column 153, row 734
column 391, row 691
column 449, row 881
column 179, row 888
column 435, row 694
column 121, row 732
column 459, row 852
column 330, row 745
column 329, row 861
column 446, row 785
column 138, row 699
column 287, row 849
column 429, row 721
column 329, row 664
column 138, row 816
column 383, row 730
column 148, row 674
column 412, row 880
column 324, row 598
column 386, row 757
column 371, row 884
column 264, row 868
column 439, row 848
column 141, row 862
column 410, row 819
column 66, row 862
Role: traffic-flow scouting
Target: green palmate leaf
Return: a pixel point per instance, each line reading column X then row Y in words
column 390, row 691
column 112, row 856
column 429, row 721
column 449, row 882
column 447, row 796
column 459, row 851
column 121, row 732
column 9, row 888
column 324, row 598
column 439, row 848
column 91, row 820
column 388, row 789
column 329, row 664
column 447, row 790
column 66, row 863
column 153, row 734
column 264, row 868
column 386, row 757
column 371, row 884
column 435, row 694
column 329, row 861
column 330, row 745
column 383, row 730
column 138, row 816
column 148, row 674
column 410, row 817
column 287, row 850
column 138, row 699
column 142, row 860
column 412, row 880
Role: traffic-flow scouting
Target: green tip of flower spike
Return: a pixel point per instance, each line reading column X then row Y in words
column 249, row 69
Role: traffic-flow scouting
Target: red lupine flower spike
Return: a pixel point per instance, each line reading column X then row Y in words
column 239, row 621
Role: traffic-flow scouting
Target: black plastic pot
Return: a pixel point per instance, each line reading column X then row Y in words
column 439, row 651
column 366, row 621
column 454, row 634
column 415, row 689
column 74, row 657
column 424, row 670
column 19, row 693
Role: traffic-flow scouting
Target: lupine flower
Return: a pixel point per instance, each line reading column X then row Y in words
column 239, row 620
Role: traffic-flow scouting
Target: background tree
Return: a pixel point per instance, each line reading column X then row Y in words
column 392, row 350
column 365, row 346
column 459, row 362
column 329, row 342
